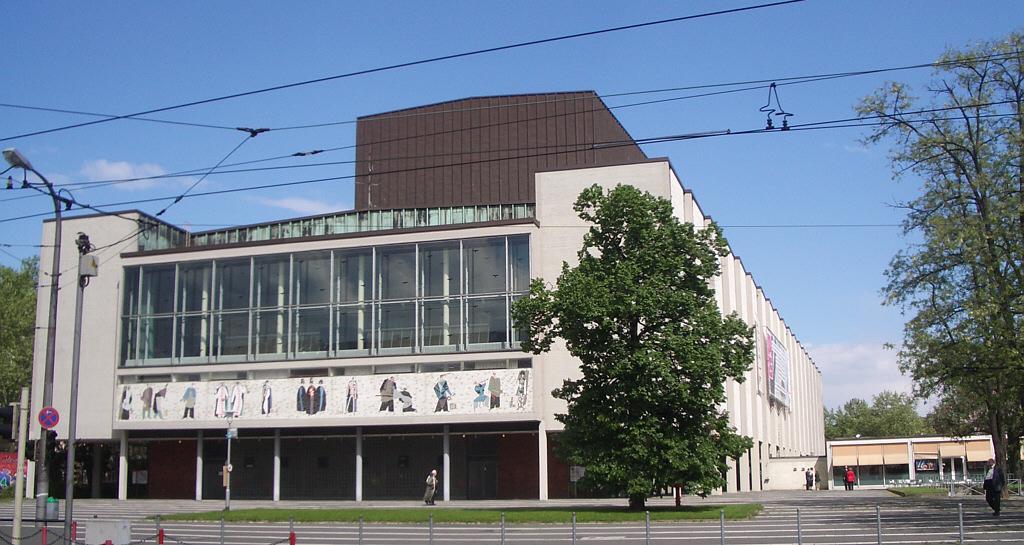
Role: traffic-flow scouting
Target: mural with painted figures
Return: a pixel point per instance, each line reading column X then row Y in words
column 456, row 392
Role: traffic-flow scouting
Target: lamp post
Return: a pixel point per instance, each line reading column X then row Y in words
column 17, row 160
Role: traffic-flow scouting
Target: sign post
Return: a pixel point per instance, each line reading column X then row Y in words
column 231, row 434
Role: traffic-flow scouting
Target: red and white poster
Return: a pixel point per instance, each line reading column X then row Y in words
column 8, row 465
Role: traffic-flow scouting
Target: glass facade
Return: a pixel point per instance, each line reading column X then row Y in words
column 447, row 296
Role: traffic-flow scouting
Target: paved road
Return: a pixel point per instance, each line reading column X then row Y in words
column 825, row 518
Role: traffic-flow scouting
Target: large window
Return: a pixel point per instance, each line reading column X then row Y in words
column 446, row 296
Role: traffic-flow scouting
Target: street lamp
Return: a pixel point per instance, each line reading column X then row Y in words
column 17, row 160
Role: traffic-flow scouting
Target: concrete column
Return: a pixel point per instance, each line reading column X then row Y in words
column 446, row 469
column 359, row 463
column 277, row 465
column 97, row 470
column 542, row 461
column 912, row 471
column 199, row 465
column 122, row 468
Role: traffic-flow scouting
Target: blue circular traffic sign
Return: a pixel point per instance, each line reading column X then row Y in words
column 48, row 418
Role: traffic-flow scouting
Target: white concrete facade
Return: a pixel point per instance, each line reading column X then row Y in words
column 778, row 430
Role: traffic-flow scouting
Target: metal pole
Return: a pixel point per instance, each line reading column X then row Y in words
column 360, row 530
column 574, row 528
column 721, row 526
column 19, row 480
column 503, row 528
column 960, row 508
column 647, row 527
column 42, row 464
column 222, row 530
column 76, row 355
column 799, row 533
column 227, row 472
column 878, row 523
column 430, row 529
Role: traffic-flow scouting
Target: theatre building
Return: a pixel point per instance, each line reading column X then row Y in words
column 355, row 351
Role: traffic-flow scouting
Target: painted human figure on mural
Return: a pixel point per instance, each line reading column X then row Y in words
column 443, row 393
column 159, row 400
column 220, row 401
column 126, row 404
column 321, row 397
column 494, row 391
column 147, row 402
column 189, row 398
column 387, row 395
column 352, row 396
column 300, row 397
column 521, row 387
column 311, row 404
column 236, row 402
column 406, row 398
column 268, row 398
column 480, row 401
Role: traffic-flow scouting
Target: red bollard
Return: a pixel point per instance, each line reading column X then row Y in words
column 291, row 538
column 108, row 542
column 160, row 536
column 44, row 532
column 74, row 530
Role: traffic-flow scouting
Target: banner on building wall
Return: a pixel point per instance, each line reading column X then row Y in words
column 9, row 468
column 776, row 364
column 457, row 392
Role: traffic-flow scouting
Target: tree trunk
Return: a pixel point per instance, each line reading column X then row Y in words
column 637, row 501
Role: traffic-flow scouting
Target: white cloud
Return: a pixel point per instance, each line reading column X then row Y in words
column 102, row 169
column 861, row 370
column 301, row 205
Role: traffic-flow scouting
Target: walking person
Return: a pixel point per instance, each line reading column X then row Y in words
column 809, row 478
column 428, row 494
column 851, row 478
column 994, row 482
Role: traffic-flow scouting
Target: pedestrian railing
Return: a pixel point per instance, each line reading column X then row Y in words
column 949, row 526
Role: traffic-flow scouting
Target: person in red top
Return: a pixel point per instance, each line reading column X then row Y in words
column 850, row 479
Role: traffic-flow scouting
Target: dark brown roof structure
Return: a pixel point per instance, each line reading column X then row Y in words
column 482, row 150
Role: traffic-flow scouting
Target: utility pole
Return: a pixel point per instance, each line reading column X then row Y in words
column 88, row 267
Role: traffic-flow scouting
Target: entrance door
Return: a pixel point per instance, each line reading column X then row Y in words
column 482, row 481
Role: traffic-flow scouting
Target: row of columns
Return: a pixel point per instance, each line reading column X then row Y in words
column 542, row 464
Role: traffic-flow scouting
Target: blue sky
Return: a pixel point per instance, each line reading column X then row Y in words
column 121, row 57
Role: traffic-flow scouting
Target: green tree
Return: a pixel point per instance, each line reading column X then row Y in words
column 640, row 315
column 17, row 327
column 890, row 414
column 962, row 279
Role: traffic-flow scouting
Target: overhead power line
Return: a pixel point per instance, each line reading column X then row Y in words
column 555, row 147
column 409, row 64
column 789, row 80
column 819, row 125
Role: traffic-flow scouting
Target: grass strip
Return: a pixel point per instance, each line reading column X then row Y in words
column 414, row 515
column 905, row 491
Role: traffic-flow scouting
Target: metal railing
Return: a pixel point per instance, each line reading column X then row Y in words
column 872, row 525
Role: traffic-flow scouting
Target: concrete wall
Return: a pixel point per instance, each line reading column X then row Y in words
column 788, row 473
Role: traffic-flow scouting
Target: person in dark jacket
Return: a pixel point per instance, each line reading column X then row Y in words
column 994, row 482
